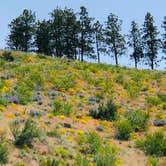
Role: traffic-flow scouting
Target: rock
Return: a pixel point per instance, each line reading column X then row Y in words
column 99, row 128
column 158, row 123
column 78, row 116
column 67, row 125
column 21, row 120
column 16, row 113
column 37, row 98
column 14, row 99
column 40, row 102
column 50, row 104
column 47, row 122
column 91, row 99
column 35, row 113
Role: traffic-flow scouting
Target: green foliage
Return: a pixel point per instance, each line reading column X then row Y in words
column 90, row 143
column 114, row 39
column 81, row 161
column 49, row 162
column 3, row 151
column 124, row 129
column 153, row 100
column 22, row 31
column 138, row 119
column 153, row 161
column 7, row 56
column 106, row 156
column 19, row 164
column 60, row 108
column 162, row 96
column 105, row 112
column 94, row 142
column 54, row 132
column 26, row 135
column 150, row 40
column 153, row 144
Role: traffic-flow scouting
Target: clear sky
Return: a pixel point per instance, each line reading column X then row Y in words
column 127, row 10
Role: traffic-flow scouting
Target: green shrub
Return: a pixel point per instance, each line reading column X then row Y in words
column 90, row 142
column 49, row 162
column 162, row 96
column 54, row 132
column 153, row 144
column 138, row 119
column 153, row 100
column 41, row 56
column 3, row 151
column 27, row 134
column 124, row 130
column 6, row 55
column 94, row 142
column 60, row 108
column 81, row 161
column 19, row 164
column 106, row 156
column 105, row 112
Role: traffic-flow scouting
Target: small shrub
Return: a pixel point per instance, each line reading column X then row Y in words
column 105, row 112
column 138, row 119
column 124, row 130
column 6, row 55
column 27, row 134
column 153, row 100
column 81, row 161
column 3, row 151
column 94, row 142
column 41, row 56
column 54, row 132
column 19, row 164
column 153, row 144
column 49, row 162
column 61, row 108
column 106, row 156
column 89, row 143
column 162, row 96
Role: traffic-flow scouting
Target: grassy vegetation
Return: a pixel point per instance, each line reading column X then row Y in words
column 60, row 112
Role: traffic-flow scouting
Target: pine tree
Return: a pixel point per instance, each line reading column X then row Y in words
column 150, row 40
column 164, row 36
column 135, row 41
column 22, row 31
column 114, row 39
column 71, row 30
column 99, row 39
column 57, row 32
column 42, row 37
column 86, row 34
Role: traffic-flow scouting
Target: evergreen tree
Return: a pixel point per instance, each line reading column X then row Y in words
column 22, row 31
column 86, row 34
column 135, row 41
column 57, row 32
column 164, row 36
column 114, row 39
column 71, row 30
column 99, row 39
column 150, row 40
column 42, row 37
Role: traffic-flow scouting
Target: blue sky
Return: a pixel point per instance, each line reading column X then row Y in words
column 127, row 10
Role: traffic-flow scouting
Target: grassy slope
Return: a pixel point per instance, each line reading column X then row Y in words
column 74, row 83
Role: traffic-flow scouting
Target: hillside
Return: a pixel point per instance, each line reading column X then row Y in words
column 65, row 101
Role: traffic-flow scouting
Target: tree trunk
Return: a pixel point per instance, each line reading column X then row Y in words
column 98, row 54
column 135, row 63
column 115, row 54
column 152, row 64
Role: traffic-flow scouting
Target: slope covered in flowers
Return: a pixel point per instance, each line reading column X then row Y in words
column 59, row 95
